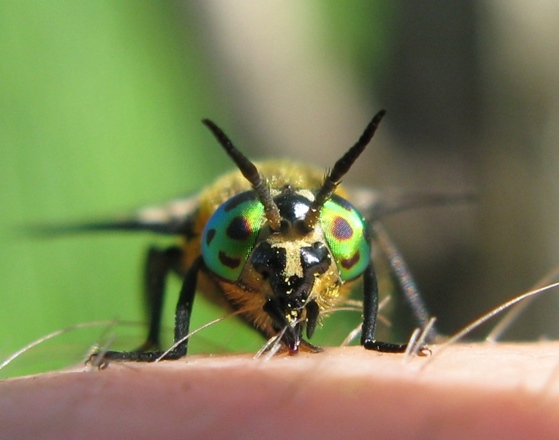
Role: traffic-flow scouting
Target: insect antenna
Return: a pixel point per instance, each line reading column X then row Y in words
column 251, row 173
column 341, row 167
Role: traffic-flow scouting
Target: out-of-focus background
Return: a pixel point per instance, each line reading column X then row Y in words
column 100, row 108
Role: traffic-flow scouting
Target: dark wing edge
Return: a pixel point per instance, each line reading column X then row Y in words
column 172, row 218
column 376, row 204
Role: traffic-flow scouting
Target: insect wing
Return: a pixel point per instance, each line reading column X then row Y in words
column 171, row 218
column 375, row 204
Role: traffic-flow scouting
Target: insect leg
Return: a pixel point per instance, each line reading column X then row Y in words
column 370, row 311
column 184, row 309
column 158, row 265
column 403, row 276
column 182, row 323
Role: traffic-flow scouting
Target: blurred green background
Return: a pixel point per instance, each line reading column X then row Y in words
column 100, row 108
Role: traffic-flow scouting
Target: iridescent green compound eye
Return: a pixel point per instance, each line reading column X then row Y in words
column 230, row 234
column 346, row 234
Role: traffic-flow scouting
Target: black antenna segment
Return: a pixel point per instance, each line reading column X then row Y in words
column 341, row 167
column 251, row 173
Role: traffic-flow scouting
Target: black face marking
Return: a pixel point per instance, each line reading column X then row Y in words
column 315, row 258
column 341, row 229
column 228, row 261
column 267, row 259
column 239, row 229
column 235, row 201
column 291, row 293
column 210, row 234
column 350, row 262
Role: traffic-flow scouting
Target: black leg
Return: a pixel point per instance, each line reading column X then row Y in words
column 158, row 265
column 184, row 307
column 403, row 277
column 182, row 323
column 370, row 310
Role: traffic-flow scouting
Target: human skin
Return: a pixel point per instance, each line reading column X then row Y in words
column 468, row 391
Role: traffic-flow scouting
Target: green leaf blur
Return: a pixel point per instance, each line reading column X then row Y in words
column 100, row 110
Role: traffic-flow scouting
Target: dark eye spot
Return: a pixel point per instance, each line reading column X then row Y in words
column 210, row 236
column 350, row 262
column 239, row 229
column 341, row 229
column 228, row 261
